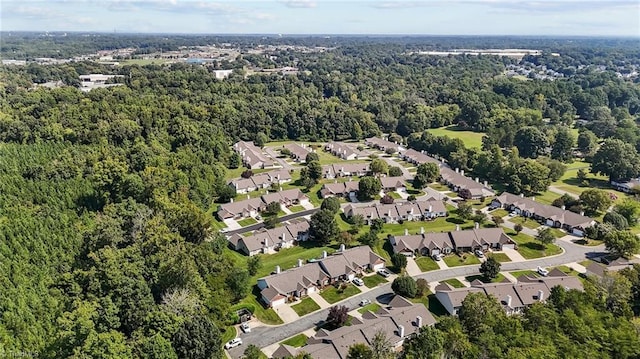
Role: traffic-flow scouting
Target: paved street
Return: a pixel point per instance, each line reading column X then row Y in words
column 267, row 335
column 285, row 218
column 273, row 154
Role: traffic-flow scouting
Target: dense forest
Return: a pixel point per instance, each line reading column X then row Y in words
column 106, row 196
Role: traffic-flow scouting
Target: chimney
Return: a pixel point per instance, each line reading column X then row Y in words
column 457, row 227
column 521, row 195
column 430, row 208
column 401, row 331
column 462, row 172
column 457, row 170
column 299, row 262
column 266, row 242
column 277, row 269
column 476, row 225
column 540, row 295
column 406, row 231
column 582, row 213
column 486, row 184
column 324, row 254
column 284, row 237
column 280, row 188
column 477, row 180
column 509, row 301
column 419, row 321
column 563, row 207
column 248, row 196
column 231, row 200
column 421, row 230
column 342, row 247
column 389, row 214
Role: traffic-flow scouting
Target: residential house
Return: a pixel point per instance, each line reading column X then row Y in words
column 399, row 320
column 266, row 241
column 626, row 186
column 426, row 244
column 243, row 185
column 279, row 176
column 550, row 215
column 286, row 198
column 260, row 181
column 406, row 211
column 351, row 169
column 298, row 152
column 328, row 172
column 345, row 151
column 308, row 278
column 599, row 269
column 415, row 157
column 481, row 239
column 388, row 212
column 369, row 214
column 391, row 184
column 252, row 156
column 241, row 209
column 339, row 189
column 382, row 144
column 432, row 209
column 465, row 186
column 513, row 297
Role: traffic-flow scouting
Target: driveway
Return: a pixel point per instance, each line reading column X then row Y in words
column 319, row 300
column 266, row 335
column 391, row 161
column 412, row 268
column 514, row 255
column 285, row 313
column 271, row 152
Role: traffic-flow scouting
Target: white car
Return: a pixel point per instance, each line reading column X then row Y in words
column 543, row 272
column 233, row 343
column 479, row 253
column 384, row 273
column 513, row 214
column 358, row 282
column 437, row 257
column 245, row 327
column 364, row 302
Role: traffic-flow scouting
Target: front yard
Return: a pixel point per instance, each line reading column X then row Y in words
column 454, row 283
column 530, row 248
column 500, row 257
column 373, row 280
column 525, row 222
column 426, row 264
column 528, row 273
column 297, row 341
column 497, row 279
column 306, row 306
column 334, row 295
column 371, row 307
column 247, row 222
column 454, row 260
column 296, row 209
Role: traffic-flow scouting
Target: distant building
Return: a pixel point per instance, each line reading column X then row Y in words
column 92, row 81
column 222, row 74
column 252, row 156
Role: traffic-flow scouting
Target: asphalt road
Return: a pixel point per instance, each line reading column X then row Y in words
column 267, row 335
column 284, row 218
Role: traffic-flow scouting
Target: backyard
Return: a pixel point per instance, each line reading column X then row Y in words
column 525, row 222
column 497, row 279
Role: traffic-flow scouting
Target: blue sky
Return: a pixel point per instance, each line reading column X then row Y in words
column 429, row 17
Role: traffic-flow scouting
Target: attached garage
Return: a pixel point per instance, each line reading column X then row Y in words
column 509, row 246
column 378, row 266
column 578, row 232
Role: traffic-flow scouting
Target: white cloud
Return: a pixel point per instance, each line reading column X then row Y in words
column 299, row 3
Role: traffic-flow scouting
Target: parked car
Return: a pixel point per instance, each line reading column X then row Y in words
column 245, row 327
column 384, row 273
column 233, row 343
column 364, row 302
column 543, row 272
column 479, row 253
column 513, row 214
column 358, row 282
column 437, row 257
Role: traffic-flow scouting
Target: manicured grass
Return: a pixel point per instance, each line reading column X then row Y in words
column 374, row 280
column 265, row 315
column 296, row 209
column 288, row 258
column 470, row 138
column 306, row 306
column 529, row 248
column 453, row 260
column 565, row 269
column 426, row 264
column 451, row 194
column 499, row 212
column 333, row 295
column 297, row 341
column 525, row 222
column 500, row 257
column 477, row 204
column 430, row 301
column 528, row 273
column 406, row 164
column 247, row 222
column 229, row 333
column 437, row 225
column 497, row 279
column 371, row 307
column 439, row 187
column 454, row 283
column 558, row 233
column 394, row 195
column 314, row 195
column 217, row 224
column 587, row 262
column 546, row 197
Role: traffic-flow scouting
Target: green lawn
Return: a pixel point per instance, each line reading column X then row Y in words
column 306, row 306
column 500, row 257
column 296, row 209
column 528, row 273
column 374, row 280
column 265, row 315
column 437, row 225
column 454, row 283
column 546, row 197
column 333, row 295
column 477, row 204
column 499, row 212
column 247, row 222
column 297, row 341
column 529, row 248
column 288, row 258
column 394, row 195
column 439, row 187
column 371, row 307
column 497, row 279
column 567, row 270
column 587, row 262
column 426, row 264
column 453, row 260
column 451, row 194
column 229, row 333
column 558, row 233
column 525, row 222
column 470, row 138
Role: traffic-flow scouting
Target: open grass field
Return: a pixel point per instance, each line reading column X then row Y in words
column 297, row 341
column 306, row 306
column 333, row 295
column 529, row 248
column 373, row 280
column 453, row 260
column 470, row 138
column 426, row 264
